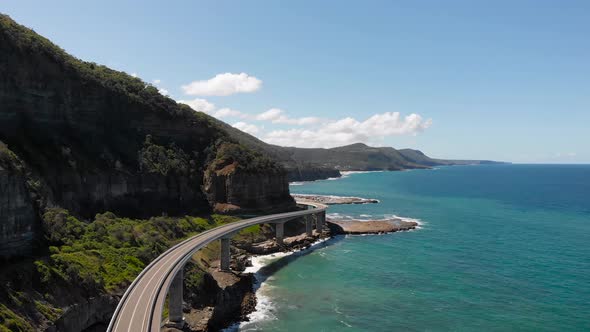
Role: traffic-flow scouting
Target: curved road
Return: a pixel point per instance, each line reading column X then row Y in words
column 140, row 308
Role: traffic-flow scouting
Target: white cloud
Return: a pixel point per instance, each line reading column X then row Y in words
column 276, row 115
column 269, row 115
column 565, row 154
column 316, row 132
column 156, row 81
column 349, row 130
column 163, row 92
column 223, row 85
column 134, row 74
column 200, row 105
column 246, row 127
column 228, row 112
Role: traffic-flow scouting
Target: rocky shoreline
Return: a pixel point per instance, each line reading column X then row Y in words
column 231, row 295
column 370, row 226
column 335, row 200
column 233, row 292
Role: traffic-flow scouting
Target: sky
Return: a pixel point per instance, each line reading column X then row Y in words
column 500, row 80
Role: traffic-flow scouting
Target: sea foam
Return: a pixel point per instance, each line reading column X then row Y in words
column 264, row 310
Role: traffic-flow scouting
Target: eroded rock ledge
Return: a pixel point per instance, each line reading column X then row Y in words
column 334, row 200
column 370, row 226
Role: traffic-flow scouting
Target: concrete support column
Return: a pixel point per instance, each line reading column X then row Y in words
column 308, row 226
column 280, row 229
column 225, row 255
column 319, row 222
column 175, row 300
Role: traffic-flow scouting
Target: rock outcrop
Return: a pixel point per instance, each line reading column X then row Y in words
column 335, row 200
column 231, row 189
column 370, row 226
column 221, row 299
column 17, row 215
column 87, row 315
column 17, row 212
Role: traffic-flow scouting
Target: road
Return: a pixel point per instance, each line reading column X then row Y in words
column 140, row 308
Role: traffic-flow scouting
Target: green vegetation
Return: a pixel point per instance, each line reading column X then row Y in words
column 98, row 257
column 108, row 253
column 254, row 233
column 137, row 131
column 243, row 158
column 8, row 160
column 132, row 87
column 47, row 310
column 158, row 159
column 9, row 321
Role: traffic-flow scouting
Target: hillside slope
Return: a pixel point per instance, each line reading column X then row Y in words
column 418, row 157
column 90, row 139
column 308, row 164
column 297, row 169
column 361, row 157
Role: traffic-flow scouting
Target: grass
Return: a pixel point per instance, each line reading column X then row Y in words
column 10, row 321
column 104, row 256
column 47, row 310
column 109, row 252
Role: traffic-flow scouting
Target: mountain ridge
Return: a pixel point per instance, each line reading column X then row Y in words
column 308, row 164
column 90, row 139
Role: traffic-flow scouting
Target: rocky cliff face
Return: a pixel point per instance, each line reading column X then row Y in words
column 312, row 173
column 83, row 138
column 86, row 315
column 231, row 185
column 248, row 192
column 17, row 215
column 97, row 140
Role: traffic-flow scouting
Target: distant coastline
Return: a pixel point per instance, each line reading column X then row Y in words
column 346, row 173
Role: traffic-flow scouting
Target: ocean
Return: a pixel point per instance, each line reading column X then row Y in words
column 499, row 248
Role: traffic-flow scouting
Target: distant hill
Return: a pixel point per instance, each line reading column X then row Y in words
column 417, row 156
column 319, row 163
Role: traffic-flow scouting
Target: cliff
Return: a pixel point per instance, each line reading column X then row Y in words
column 17, row 211
column 233, row 182
column 94, row 139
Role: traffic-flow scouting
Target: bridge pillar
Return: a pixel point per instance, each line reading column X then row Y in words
column 319, row 222
column 175, row 315
column 308, row 226
column 280, row 232
column 225, row 255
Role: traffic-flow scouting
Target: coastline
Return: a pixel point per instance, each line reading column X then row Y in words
column 262, row 259
column 335, row 200
column 263, row 266
column 260, row 270
column 343, row 175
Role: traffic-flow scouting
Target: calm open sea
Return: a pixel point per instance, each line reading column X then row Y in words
column 501, row 248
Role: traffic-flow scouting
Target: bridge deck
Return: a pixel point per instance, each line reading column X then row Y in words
column 140, row 308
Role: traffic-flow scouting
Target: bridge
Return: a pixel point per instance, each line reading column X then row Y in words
column 142, row 304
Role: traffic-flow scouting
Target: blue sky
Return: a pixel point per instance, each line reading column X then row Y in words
column 503, row 80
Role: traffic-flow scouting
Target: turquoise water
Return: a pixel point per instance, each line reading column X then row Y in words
column 501, row 248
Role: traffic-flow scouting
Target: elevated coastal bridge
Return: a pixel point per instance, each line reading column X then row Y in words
column 141, row 307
